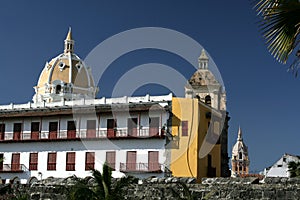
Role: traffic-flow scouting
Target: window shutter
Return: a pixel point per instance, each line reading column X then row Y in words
column 111, row 159
column 184, row 128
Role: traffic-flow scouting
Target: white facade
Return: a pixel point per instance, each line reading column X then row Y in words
column 280, row 168
column 142, row 143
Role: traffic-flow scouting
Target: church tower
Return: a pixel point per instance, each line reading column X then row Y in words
column 204, row 86
column 239, row 160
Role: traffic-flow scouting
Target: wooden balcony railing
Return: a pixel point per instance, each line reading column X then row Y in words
column 70, row 167
column 51, row 166
column 84, row 134
column 141, row 167
column 13, row 168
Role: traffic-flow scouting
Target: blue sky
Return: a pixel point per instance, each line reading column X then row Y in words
column 262, row 97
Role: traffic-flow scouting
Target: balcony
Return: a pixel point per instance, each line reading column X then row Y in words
column 13, row 168
column 141, row 167
column 119, row 133
column 130, row 133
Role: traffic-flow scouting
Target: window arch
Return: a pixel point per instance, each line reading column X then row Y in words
column 58, row 89
column 240, row 155
column 208, row 100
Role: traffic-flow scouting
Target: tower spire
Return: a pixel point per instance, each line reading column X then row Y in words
column 203, row 60
column 69, row 42
column 240, row 134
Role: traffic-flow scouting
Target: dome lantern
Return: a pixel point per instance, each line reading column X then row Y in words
column 203, row 60
column 69, row 42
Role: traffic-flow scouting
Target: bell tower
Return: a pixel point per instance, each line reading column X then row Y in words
column 239, row 160
column 204, row 86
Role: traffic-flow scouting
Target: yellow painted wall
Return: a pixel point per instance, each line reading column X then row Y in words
column 184, row 157
column 185, row 160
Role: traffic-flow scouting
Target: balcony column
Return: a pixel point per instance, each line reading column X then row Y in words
column 98, row 128
column 79, row 127
column 40, row 128
column 139, row 125
column 59, row 136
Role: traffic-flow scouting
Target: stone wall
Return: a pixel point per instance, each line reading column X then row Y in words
column 185, row 188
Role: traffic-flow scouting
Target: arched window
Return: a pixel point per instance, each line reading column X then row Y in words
column 58, row 89
column 240, row 155
column 208, row 100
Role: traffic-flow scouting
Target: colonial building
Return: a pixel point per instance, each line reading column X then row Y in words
column 280, row 168
column 67, row 131
column 239, row 160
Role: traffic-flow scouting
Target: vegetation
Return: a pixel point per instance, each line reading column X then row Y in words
column 102, row 189
column 280, row 27
column 294, row 169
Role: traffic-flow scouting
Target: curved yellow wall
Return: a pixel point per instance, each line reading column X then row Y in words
column 185, row 160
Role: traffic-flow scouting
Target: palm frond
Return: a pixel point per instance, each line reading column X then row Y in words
column 106, row 174
column 100, row 188
column 294, row 169
column 280, row 26
column 80, row 190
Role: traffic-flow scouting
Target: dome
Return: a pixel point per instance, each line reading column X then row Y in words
column 65, row 77
column 202, row 78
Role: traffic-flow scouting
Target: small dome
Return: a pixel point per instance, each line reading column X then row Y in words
column 202, row 78
column 239, row 145
column 65, row 77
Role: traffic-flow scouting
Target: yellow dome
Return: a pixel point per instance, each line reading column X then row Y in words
column 65, row 77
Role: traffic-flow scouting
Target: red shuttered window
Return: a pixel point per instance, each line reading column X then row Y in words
column 153, row 126
column 91, row 129
column 33, row 161
column 71, row 132
column 132, row 126
column 111, row 128
column 15, row 162
column 2, row 132
column 111, row 159
column 17, row 131
column 70, row 165
column 89, row 160
column 53, row 127
column 153, row 164
column 131, row 161
column 51, row 165
column 184, row 128
column 35, row 129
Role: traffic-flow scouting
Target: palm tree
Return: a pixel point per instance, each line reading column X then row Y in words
column 103, row 189
column 280, row 26
column 294, row 169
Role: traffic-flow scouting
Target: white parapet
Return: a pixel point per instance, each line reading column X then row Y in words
column 89, row 102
